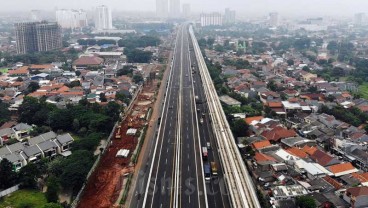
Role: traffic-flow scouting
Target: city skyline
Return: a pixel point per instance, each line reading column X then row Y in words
column 247, row 7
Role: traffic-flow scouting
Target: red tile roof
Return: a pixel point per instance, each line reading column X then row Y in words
column 21, row 70
column 321, row 157
column 357, row 191
column 333, row 182
column 261, row 144
column 297, row 152
column 260, row 157
column 278, row 133
column 274, row 104
column 249, row 120
column 40, row 66
column 309, row 150
column 362, row 177
column 341, row 168
column 88, row 60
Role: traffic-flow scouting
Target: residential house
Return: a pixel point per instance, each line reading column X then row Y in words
column 64, row 141
column 306, row 76
column 20, row 72
column 22, row 131
column 5, row 135
column 49, row 148
column 33, row 153
column 278, row 133
column 86, row 62
column 229, row 101
column 323, row 158
column 357, row 196
column 342, row 169
column 261, row 144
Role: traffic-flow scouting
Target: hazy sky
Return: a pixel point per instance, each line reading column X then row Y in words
column 303, row 7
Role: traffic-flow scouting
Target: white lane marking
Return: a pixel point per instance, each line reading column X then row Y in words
column 166, row 161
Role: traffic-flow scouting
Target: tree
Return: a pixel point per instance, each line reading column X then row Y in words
column 290, row 62
column 138, row 56
column 52, row 205
column 240, row 128
column 78, row 73
column 103, row 97
column 306, row 202
column 28, row 176
column 52, row 189
column 306, row 68
column 33, row 86
column 72, row 84
column 8, row 177
column 4, row 112
column 137, row 78
column 76, row 169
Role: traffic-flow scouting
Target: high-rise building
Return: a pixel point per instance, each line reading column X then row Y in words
column 358, row 19
column 229, row 16
column 274, row 19
column 35, row 15
column 71, row 19
column 162, row 8
column 103, row 19
column 37, row 36
column 186, row 10
column 174, row 8
column 209, row 19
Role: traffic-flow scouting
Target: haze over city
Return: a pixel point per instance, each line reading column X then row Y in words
column 243, row 7
column 183, row 103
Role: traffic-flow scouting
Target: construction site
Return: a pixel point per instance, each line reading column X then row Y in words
column 106, row 186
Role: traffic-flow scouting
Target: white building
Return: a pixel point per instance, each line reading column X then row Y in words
column 35, row 15
column 359, row 19
column 71, row 19
column 103, row 18
column 162, row 8
column 186, row 10
column 174, row 8
column 274, row 19
column 209, row 19
column 229, row 16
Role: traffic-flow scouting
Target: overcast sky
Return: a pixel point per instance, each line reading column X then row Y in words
column 303, row 7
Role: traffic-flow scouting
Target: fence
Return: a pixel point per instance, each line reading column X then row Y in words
column 9, row 190
column 75, row 202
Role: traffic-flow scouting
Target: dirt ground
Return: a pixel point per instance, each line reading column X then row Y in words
column 106, row 182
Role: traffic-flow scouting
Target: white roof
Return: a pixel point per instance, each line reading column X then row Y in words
column 346, row 172
column 306, row 108
column 131, row 131
column 285, row 155
column 312, row 168
column 290, row 105
column 123, row 153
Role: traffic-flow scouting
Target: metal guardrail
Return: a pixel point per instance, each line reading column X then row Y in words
column 238, row 181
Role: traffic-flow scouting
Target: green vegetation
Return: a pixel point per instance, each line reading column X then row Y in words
column 126, row 190
column 238, row 63
column 4, row 112
column 4, row 70
column 41, row 57
column 85, row 117
column 126, row 70
column 8, row 177
column 306, row 202
column 139, row 42
column 138, row 56
column 91, row 42
column 353, row 116
column 24, row 198
column 363, row 90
